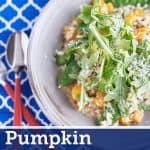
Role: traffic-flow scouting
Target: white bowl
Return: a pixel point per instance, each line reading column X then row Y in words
column 45, row 39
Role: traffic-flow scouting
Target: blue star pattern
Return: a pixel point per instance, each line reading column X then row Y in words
column 18, row 15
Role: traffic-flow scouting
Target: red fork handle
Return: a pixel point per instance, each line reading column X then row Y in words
column 17, row 103
column 26, row 113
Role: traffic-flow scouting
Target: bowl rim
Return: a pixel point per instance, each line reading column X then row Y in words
column 35, row 90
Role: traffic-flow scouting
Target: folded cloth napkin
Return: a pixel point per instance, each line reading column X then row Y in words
column 18, row 15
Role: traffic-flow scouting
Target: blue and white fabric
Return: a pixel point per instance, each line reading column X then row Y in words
column 18, row 15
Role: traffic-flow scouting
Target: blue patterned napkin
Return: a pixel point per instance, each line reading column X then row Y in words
column 18, row 15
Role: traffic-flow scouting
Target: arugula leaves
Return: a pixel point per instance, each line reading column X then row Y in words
column 99, row 39
column 119, row 94
column 144, row 89
column 69, row 74
column 107, row 57
column 143, row 106
column 85, row 15
column 60, row 58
